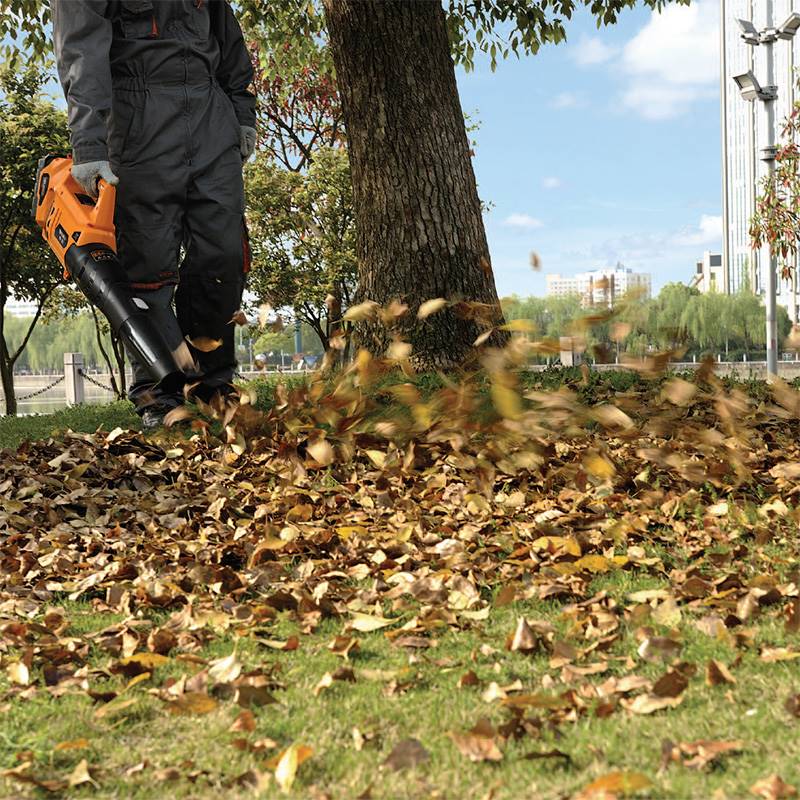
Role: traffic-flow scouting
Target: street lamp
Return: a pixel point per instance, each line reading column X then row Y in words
column 751, row 90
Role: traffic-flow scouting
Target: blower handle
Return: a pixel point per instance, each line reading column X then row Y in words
column 102, row 215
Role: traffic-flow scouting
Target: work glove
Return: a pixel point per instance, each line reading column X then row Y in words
column 89, row 173
column 247, row 141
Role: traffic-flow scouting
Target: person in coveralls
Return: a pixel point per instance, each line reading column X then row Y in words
column 159, row 102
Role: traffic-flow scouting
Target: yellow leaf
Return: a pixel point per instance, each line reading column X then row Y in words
column 377, row 457
column 520, row 326
column 366, row 622
column 431, row 307
column 225, row 669
column 147, row 660
column 192, row 703
column 361, row 311
column 204, row 344
column 80, row 774
column 621, row 782
column 593, row 564
column 71, row 744
column 113, row 708
column 18, row 673
column 321, row 451
column 506, row 401
column 288, row 762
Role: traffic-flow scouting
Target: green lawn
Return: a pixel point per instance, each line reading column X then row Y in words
column 661, row 608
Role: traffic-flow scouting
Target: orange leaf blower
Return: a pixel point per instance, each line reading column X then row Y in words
column 80, row 231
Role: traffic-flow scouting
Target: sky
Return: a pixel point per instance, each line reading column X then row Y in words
column 603, row 149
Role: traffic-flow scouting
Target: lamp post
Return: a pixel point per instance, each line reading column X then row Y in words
column 751, row 90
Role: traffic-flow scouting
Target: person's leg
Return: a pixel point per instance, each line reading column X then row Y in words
column 149, row 226
column 214, row 266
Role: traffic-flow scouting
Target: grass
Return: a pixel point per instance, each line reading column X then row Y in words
column 430, row 708
column 352, row 727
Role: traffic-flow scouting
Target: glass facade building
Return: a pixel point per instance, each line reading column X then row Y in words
column 744, row 133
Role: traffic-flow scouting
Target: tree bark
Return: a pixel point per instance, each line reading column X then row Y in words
column 7, row 377
column 420, row 232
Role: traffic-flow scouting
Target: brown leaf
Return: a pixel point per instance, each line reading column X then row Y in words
column 650, row 703
column 177, row 414
column 239, row 318
column 476, row 747
column 524, row 639
column 773, row 787
column 407, row 754
column 204, row 344
column 245, row 722
column 717, row 673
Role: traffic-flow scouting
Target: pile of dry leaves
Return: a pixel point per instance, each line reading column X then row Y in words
column 411, row 515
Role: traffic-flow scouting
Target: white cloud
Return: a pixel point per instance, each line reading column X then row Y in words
column 708, row 232
column 592, row 50
column 673, row 61
column 551, row 182
column 565, row 100
column 522, row 221
column 643, row 249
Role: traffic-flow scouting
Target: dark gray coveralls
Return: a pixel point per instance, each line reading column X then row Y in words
column 160, row 88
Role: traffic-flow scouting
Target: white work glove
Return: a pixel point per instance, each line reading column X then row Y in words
column 89, row 173
column 247, row 141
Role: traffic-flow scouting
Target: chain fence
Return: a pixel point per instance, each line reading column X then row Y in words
column 97, row 383
column 42, row 390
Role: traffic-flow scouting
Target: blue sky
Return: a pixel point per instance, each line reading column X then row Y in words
column 603, row 149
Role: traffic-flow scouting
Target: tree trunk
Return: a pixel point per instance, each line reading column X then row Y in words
column 418, row 216
column 7, row 377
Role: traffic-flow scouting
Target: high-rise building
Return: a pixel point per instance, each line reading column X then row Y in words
column 710, row 274
column 599, row 286
column 744, row 134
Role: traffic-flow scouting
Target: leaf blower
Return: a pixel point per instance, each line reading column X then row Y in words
column 80, row 231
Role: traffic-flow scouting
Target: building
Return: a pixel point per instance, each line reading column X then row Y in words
column 710, row 274
column 599, row 286
column 20, row 308
column 743, row 134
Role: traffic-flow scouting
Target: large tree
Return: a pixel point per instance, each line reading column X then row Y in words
column 30, row 127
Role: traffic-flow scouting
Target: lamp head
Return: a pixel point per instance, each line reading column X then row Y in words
column 749, row 31
column 749, row 87
column 789, row 27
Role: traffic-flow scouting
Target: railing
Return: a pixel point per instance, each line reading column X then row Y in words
column 81, row 386
column 76, row 385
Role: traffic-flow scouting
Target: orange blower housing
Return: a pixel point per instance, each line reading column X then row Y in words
column 80, row 231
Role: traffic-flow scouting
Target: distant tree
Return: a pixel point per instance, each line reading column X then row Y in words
column 30, row 127
column 68, row 302
column 303, row 238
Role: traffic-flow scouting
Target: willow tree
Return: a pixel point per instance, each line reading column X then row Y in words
column 418, row 217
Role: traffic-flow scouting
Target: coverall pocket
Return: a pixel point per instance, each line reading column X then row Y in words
column 126, row 118
column 195, row 14
column 138, row 19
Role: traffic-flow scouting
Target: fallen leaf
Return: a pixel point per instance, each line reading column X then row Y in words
column 288, row 763
column 192, row 703
column 407, row 754
column 773, row 787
